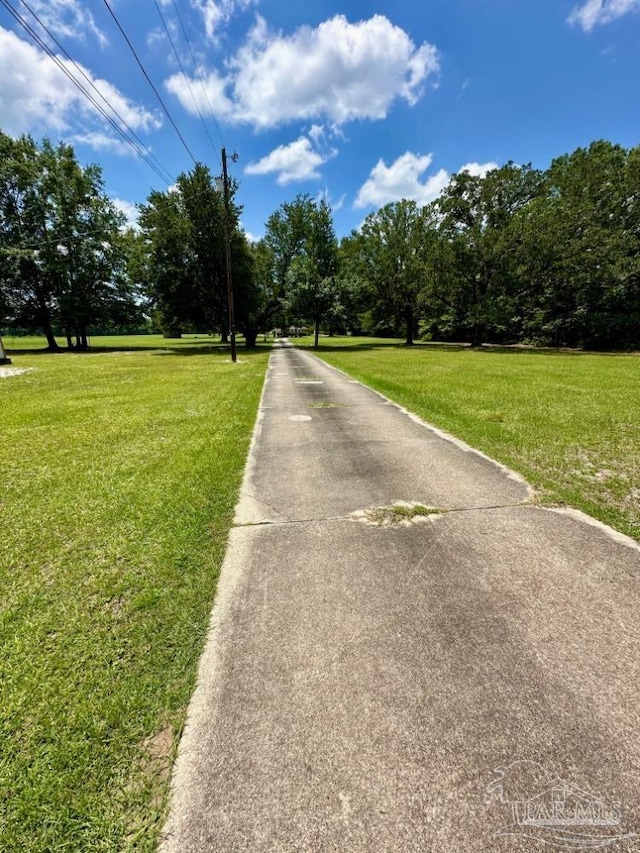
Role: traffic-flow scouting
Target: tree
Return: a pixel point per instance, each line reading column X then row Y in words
column 61, row 241
column 287, row 232
column 183, row 232
column 203, row 207
column 28, row 288
column 4, row 358
column 393, row 258
column 89, row 257
column 298, row 230
column 353, row 287
column 256, row 303
column 286, row 235
column 166, row 235
column 311, row 296
column 183, row 236
column 249, row 294
column 312, row 280
column 475, row 215
column 579, row 246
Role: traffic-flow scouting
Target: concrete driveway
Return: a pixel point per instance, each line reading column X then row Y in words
column 466, row 680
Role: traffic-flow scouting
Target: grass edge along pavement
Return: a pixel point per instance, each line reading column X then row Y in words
column 120, row 474
column 567, row 421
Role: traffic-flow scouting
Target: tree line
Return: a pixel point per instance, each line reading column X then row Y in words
column 63, row 253
column 547, row 257
column 518, row 255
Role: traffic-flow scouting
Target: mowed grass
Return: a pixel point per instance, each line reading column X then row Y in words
column 119, row 476
column 568, row 422
column 15, row 345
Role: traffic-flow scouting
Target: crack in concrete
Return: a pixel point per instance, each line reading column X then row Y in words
column 350, row 517
column 261, row 502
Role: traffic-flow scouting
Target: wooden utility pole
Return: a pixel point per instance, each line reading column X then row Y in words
column 227, row 242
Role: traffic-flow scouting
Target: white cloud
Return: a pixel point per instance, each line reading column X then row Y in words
column 68, row 19
column 478, row 170
column 217, row 12
column 210, row 95
column 155, row 37
column 597, row 12
column 252, row 238
column 35, row 94
column 325, row 195
column 102, row 142
column 337, row 72
column 403, row 179
column 294, row 162
column 130, row 211
column 317, row 134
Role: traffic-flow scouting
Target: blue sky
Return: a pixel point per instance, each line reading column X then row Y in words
column 361, row 102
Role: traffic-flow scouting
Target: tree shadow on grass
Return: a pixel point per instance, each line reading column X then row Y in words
column 368, row 346
column 159, row 350
column 213, row 349
column 40, row 351
column 510, row 349
column 430, row 346
column 189, row 347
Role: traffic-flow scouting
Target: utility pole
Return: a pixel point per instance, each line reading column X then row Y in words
column 227, row 242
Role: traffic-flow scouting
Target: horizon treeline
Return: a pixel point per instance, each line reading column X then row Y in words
column 517, row 255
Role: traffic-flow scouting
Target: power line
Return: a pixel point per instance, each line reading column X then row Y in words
column 184, row 73
column 197, row 70
column 149, row 81
column 81, row 70
column 140, row 149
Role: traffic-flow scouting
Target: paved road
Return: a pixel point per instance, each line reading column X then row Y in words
column 364, row 681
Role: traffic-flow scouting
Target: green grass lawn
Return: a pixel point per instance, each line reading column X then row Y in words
column 568, row 422
column 118, row 343
column 119, row 472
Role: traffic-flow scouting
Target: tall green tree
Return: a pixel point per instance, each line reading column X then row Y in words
column 203, row 207
column 89, row 255
column 61, row 243
column 286, row 236
column 181, row 256
column 579, row 246
column 300, row 230
column 28, row 286
column 475, row 215
column 312, row 275
column 166, row 236
column 258, row 306
column 353, row 287
column 183, row 232
column 394, row 258
column 249, row 294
